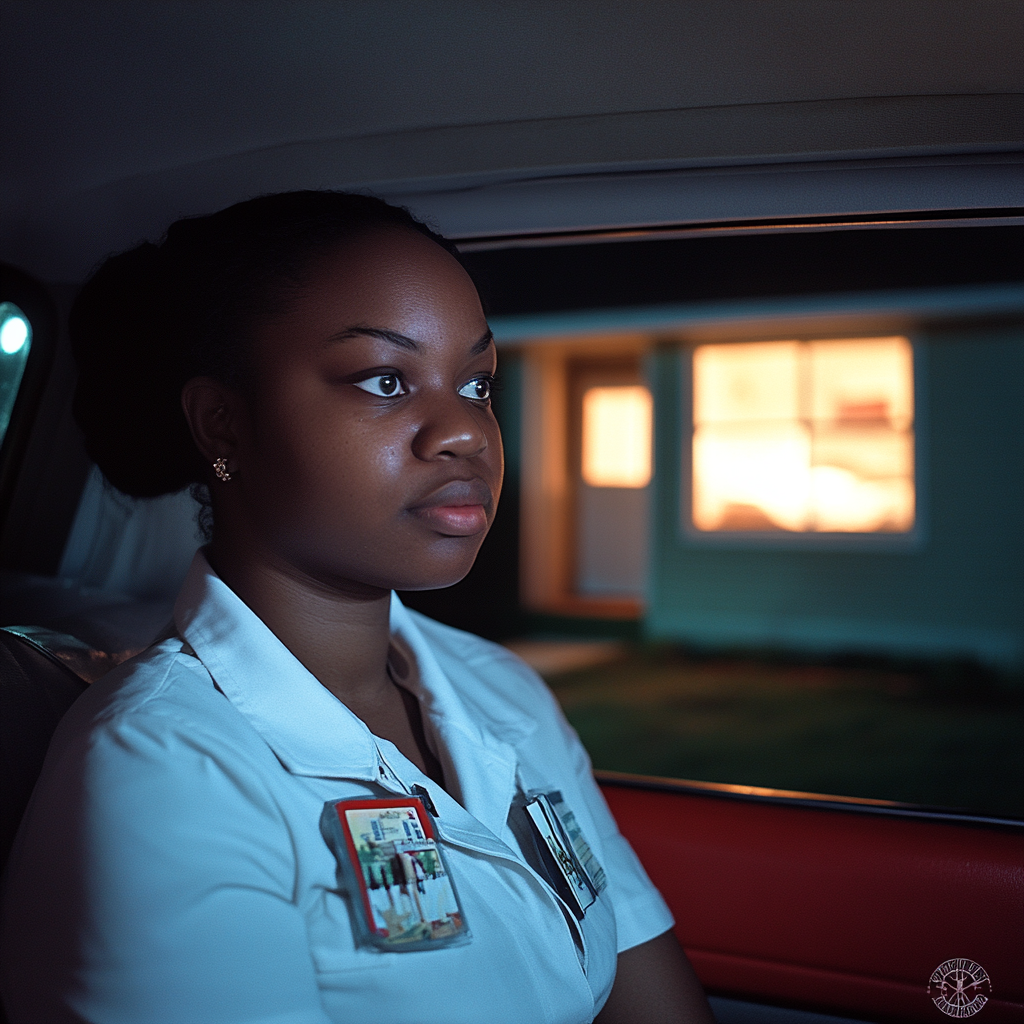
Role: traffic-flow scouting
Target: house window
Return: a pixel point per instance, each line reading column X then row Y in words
column 617, row 436
column 804, row 437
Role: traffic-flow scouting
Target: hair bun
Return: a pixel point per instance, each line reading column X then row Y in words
column 153, row 317
column 130, row 367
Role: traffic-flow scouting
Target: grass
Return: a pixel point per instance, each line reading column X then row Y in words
column 938, row 735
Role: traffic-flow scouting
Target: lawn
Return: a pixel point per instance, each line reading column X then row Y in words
column 937, row 735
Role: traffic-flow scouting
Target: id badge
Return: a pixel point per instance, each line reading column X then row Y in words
column 401, row 892
column 568, row 851
column 581, row 847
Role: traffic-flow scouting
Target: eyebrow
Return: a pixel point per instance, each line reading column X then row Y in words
column 481, row 345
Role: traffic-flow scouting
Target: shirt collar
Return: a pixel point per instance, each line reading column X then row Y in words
column 308, row 728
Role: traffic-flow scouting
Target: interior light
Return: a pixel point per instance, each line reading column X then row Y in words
column 15, row 341
column 617, row 426
column 13, row 335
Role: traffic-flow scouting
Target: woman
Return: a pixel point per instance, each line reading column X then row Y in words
column 320, row 363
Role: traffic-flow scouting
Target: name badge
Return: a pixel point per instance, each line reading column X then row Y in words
column 577, row 876
column 401, row 893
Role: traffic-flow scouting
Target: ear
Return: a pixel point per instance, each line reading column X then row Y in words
column 214, row 413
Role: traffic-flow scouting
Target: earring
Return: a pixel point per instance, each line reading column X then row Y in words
column 220, row 467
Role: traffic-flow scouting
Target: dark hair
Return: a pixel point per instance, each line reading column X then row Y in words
column 151, row 318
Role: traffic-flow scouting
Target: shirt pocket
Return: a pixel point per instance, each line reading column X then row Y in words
column 332, row 942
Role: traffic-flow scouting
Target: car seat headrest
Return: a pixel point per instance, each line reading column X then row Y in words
column 85, row 661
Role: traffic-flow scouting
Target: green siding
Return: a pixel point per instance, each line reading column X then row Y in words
column 960, row 592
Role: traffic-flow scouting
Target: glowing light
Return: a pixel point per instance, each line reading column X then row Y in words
column 863, row 380
column 13, row 335
column 749, row 382
column 617, row 424
column 747, row 474
column 15, row 339
column 804, row 436
column 843, row 502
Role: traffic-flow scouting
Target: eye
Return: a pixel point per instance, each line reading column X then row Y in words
column 479, row 388
column 384, row 385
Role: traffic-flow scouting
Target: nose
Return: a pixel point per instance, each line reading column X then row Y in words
column 451, row 428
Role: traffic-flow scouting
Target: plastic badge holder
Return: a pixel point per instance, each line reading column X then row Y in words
column 566, row 853
column 400, row 890
column 580, row 846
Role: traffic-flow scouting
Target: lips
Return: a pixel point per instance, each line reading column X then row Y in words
column 457, row 509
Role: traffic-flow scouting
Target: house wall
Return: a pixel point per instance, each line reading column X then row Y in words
column 958, row 592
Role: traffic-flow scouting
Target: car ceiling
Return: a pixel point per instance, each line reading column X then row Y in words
column 500, row 117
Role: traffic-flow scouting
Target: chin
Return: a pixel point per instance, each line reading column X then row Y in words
column 433, row 584
column 447, row 576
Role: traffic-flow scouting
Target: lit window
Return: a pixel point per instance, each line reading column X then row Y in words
column 15, row 342
column 804, row 436
column 617, row 436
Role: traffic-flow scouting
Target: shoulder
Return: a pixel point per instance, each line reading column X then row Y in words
column 153, row 757
column 497, row 684
column 163, row 681
column 159, row 708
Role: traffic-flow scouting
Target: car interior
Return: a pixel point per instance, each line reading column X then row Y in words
column 624, row 183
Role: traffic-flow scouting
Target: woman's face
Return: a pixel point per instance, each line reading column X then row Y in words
column 371, row 455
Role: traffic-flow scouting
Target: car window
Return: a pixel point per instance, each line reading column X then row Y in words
column 833, row 605
column 772, row 540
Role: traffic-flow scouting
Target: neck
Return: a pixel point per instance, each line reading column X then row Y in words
column 339, row 633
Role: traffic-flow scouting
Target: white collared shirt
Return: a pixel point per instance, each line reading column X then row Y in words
column 171, row 867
